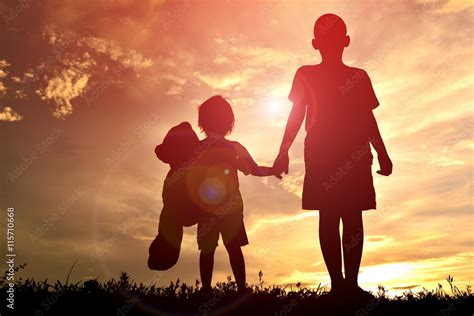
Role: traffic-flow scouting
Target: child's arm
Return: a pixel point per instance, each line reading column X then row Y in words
column 376, row 140
column 293, row 125
column 247, row 164
column 261, row 171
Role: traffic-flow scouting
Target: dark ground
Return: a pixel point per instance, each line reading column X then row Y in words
column 125, row 297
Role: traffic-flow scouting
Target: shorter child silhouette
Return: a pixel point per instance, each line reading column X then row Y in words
column 215, row 186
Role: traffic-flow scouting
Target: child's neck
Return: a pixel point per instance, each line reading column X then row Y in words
column 215, row 136
column 332, row 62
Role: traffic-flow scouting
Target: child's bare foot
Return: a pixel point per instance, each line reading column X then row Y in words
column 337, row 289
column 356, row 292
column 205, row 291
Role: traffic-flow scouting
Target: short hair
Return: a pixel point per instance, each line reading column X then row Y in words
column 329, row 25
column 216, row 116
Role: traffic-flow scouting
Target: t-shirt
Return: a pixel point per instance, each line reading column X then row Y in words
column 337, row 101
column 214, row 175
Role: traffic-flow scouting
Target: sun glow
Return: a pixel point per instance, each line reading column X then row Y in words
column 274, row 106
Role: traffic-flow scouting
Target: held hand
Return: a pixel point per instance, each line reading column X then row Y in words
column 281, row 164
column 386, row 165
column 278, row 175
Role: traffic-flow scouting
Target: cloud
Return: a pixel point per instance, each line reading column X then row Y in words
column 293, row 183
column 129, row 58
column 3, row 64
column 445, row 7
column 217, row 68
column 67, row 85
column 76, row 65
column 279, row 221
column 177, row 83
column 224, row 81
column 8, row 115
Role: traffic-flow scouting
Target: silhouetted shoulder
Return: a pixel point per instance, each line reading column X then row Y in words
column 307, row 69
column 245, row 162
column 358, row 77
column 237, row 146
column 358, row 71
column 240, row 150
column 298, row 93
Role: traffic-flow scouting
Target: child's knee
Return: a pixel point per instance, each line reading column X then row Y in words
column 329, row 217
column 352, row 218
column 206, row 251
column 233, row 249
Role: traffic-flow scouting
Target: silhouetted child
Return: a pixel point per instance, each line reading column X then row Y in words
column 216, row 190
column 338, row 101
column 179, row 151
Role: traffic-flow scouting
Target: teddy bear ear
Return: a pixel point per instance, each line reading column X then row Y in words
column 164, row 153
column 159, row 151
column 185, row 124
column 186, row 127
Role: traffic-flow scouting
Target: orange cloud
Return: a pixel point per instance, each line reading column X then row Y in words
column 8, row 115
column 129, row 58
column 67, row 85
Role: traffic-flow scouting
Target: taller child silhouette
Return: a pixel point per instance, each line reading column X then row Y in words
column 338, row 101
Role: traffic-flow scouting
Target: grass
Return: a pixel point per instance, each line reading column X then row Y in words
column 123, row 296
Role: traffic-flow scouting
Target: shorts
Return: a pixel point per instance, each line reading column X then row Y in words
column 338, row 181
column 230, row 226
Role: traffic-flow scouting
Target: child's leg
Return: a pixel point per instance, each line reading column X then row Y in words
column 330, row 242
column 206, row 265
column 353, row 241
column 237, row 262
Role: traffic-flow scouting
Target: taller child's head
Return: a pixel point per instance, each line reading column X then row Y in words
column 216, row 116
column 330, row 36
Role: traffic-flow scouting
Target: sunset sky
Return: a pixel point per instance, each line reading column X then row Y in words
column 88, row 88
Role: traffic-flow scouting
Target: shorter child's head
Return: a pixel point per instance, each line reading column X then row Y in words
column 330, row 34
column 216, row 116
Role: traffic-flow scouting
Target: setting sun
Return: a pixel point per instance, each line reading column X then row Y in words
column 274, row 106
